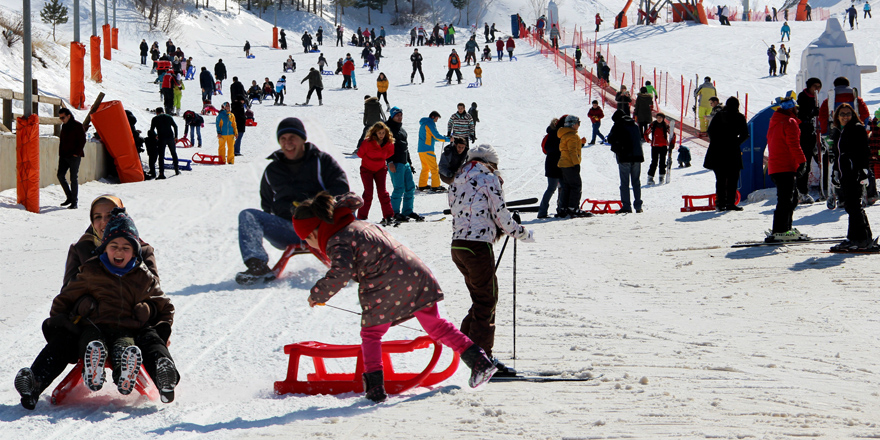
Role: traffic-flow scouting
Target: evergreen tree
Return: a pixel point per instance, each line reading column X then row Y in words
column 459, row 4
column 54, row 13
column 370, row 4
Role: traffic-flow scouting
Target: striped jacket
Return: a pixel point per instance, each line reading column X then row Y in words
column 461, row 125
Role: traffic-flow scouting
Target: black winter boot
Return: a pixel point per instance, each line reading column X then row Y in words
column 481, row 366
column 166, row 379
column 374, row 386
column 27, row 386
column 257, row 270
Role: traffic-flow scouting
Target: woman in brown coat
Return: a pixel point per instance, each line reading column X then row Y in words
column 394, row 284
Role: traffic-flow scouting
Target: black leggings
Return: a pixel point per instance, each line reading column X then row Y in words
column 658, row 155
column 314, row 89
column 786, row 200
column 383, row 95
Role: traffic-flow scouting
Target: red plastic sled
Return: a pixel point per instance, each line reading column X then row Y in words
column 210, row 109
column 322, row 382
column 710, row 206
column 183, row 143
column 207, row 159
column 250, row 123
column 603, row 206
column 144, row 384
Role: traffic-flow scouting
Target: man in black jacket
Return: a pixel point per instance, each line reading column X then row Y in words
column 401, row 170
column 236, row 90
column 166, row 130
column 626, row 143
column 416, row 59
column 220, row 72
column 298, row 171
column 238, row 106
column 316, row 84
column 206, row 82
column 70, row 153
column 144, row 50
column 808, row 110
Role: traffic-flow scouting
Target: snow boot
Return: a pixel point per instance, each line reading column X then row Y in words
column 650, row 180
column 503, row 370
column 388, row 221
column 374, row 386
column 320, row 102
column 482, row 368
column 662, row 178
column 27, row 387
column 416, row 217
column 128, row 364
column 307, row 102
column 805, row 199
column 93, row 365
column 166, row 379
column 439, row 189
column 400, row 218
column 258, row 270
column 781, row 237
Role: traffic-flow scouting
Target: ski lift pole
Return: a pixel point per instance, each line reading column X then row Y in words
column 516, row 219
column 26, row 43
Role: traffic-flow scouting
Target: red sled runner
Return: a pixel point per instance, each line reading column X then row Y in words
column 207, row 159
column 183, row 143
column 144, row 384
column 210, row 109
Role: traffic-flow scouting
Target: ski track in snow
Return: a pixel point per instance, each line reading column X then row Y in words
column 695, row 339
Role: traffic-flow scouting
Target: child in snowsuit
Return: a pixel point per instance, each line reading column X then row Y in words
column 178, row 94
column 658, row 135
column 110, row 302
column 376, row 148
column 403, row 289
column 478, row 72
column 684, row 156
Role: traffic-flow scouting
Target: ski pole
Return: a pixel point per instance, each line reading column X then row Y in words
column 356, row 313
column 516, row 219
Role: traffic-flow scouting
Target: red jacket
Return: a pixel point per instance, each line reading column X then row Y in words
column 783, row 143
column 168, row 81
column 657, row 135
column 499, row 44
column 596, row 114
column 454, row 61
column 510, row 44
column 843, row 94
column 348, row 67
column 598, row 19
column 373, row 156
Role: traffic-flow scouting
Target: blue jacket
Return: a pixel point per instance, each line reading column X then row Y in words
column 225, row 127
column 428, row 134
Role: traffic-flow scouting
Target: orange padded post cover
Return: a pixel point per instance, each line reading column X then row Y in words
column 77, row 87
column 95, row 49
column 27, row 162
column 108, row 40
column 111, row 123
column 115, row 44
column 274, row 38
column 701, row 13
column 801, row 14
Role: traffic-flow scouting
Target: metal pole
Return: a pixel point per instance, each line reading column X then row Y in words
column 114, row 14
column 26, row 42
column 105, row 12
column 76, row 20
column 94, row 20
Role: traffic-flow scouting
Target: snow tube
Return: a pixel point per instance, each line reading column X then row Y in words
column 274, row 38
column 111, row 123
column 95, row 48
column 27, row 162
column 115, row 32
column 107, row 41
column 77, row 87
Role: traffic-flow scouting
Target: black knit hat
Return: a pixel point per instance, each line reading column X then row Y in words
column 291, row 125
column 120, row 225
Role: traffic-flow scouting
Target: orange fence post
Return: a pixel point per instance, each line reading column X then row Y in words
column 95, row 54
column 107, row 41
column 681, row 117
column 112, row 126
column 275, row 38
column 746, row 114
column 115, row 33
column 27, row 164
column 77, row 88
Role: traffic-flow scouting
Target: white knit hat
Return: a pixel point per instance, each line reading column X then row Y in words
column 483, row 153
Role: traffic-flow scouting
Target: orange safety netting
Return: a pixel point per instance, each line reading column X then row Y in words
column 108, row 40
column 115, row 44
column 275, row 38
column 111, row 123
column 95, row 54
column 27, row 160
column 77, row 87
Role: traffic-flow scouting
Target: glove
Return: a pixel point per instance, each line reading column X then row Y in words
column 863, row 177
column 413, row 170
column 142, row 312
column 82, row 308
column 530, row 238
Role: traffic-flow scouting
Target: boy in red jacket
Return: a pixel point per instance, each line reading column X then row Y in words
column 596, row 114
column 785, row 158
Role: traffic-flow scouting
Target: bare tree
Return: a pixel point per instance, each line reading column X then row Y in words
column 538, row 7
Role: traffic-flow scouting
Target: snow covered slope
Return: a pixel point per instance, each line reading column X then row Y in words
column 695, row 340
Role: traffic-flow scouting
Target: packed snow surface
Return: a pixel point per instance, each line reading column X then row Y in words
column 692, row 339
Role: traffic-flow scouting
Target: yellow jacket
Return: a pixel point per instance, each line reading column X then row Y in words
column 382, row 85
column 569, row 147
column 478, row 72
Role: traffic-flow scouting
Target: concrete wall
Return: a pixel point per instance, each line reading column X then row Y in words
column 93, row 167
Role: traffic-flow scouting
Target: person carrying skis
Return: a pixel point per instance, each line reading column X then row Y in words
column 657, row 133
column 405, row 289
column 479, row 214
column 227, row 131
column 122, row 302
column 808, row 111
column 853, row 160
column 843, row 93
column 316, row 84
column 316, row 171
column 416, row 59
column 570, row 145
column 702, row 95
column 454, row 63
column 428, row 134
column 727, row 132
column 785, row 158
column 626, row 144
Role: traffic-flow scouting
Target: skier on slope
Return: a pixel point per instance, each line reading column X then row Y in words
column 406, row 289
column 279, row 188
